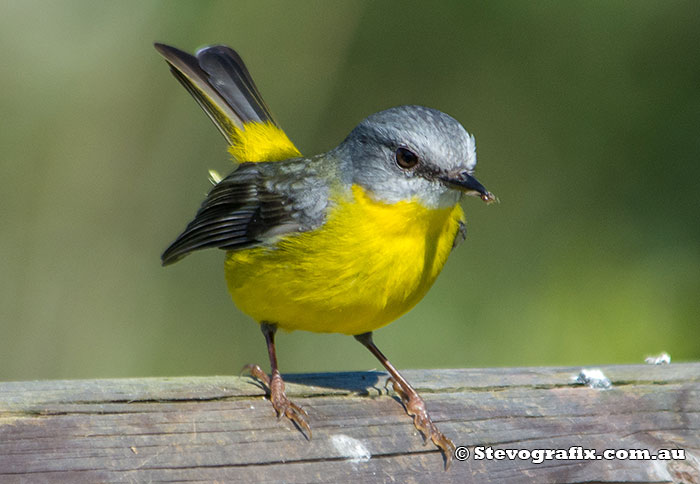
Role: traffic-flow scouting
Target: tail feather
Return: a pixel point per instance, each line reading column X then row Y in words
column 232, row 80
column 219, row 81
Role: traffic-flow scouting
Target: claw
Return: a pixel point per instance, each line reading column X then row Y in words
column 256, row 372
column 282, row 405
column 415, row 407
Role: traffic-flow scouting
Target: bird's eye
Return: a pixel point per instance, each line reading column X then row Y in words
column 406, row 158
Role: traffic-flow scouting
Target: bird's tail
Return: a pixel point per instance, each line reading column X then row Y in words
column 219, row 81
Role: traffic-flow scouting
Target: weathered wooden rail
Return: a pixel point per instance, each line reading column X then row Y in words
column 221, row 429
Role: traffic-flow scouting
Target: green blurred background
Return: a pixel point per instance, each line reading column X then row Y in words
column 587, row 119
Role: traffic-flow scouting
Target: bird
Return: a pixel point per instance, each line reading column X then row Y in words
column 345, row 241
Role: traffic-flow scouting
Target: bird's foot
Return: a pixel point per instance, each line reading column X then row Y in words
column 282, row 405
column 415, row 407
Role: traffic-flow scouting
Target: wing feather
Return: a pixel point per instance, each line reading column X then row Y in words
column 237, row 213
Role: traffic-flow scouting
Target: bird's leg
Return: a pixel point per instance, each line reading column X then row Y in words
column 414, row 404
column 279, row 400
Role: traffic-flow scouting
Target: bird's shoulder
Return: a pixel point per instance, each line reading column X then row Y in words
column 302, row 185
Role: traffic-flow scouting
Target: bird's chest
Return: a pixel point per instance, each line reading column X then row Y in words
column 383, row 257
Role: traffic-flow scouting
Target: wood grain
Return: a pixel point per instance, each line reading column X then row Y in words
column 223, row 429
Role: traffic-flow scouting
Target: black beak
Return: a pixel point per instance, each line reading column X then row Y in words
column 469, row 185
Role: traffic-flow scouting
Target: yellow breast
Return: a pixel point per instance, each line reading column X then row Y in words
column 366, row 266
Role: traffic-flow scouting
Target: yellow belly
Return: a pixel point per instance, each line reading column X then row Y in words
column 369, row 264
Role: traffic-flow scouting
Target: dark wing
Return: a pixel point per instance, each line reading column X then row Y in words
column 237, row 213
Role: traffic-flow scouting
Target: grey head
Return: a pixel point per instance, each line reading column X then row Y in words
column 413, row 153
